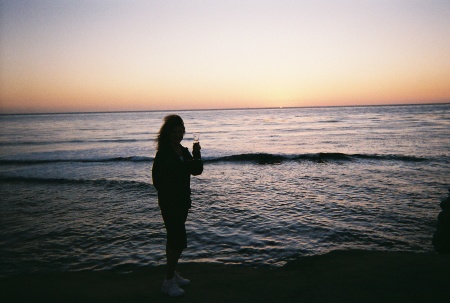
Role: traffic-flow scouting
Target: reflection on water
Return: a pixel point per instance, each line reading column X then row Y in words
column 77, row 191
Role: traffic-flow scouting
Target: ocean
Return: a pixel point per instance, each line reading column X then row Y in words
column 278, row 184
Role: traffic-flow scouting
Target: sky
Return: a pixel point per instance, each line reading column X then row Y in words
column 111, row 55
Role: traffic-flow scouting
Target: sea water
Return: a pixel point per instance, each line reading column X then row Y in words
column 77, row 194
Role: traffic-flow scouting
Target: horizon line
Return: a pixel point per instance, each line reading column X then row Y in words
column 218, row 109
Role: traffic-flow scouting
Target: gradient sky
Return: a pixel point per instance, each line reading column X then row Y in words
column 107, row 55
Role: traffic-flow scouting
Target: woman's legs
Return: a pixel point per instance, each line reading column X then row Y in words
column 174, row 221
column 172, row 255
column 171, row 285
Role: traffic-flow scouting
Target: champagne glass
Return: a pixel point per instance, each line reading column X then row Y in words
column 196, row 137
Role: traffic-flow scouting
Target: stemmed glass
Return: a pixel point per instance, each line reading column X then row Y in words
column 196, row 137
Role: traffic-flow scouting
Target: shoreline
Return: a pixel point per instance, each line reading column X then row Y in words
column 338, row 276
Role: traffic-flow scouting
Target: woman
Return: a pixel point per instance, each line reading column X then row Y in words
column 171, row 172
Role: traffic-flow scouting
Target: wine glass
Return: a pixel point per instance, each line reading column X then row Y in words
column 196, row 137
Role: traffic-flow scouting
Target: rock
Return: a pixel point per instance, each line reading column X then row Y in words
column 441, row 238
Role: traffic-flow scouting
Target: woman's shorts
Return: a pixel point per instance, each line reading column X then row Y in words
column 174, row 221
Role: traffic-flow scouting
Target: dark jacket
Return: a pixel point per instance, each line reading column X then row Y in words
column 172, row 177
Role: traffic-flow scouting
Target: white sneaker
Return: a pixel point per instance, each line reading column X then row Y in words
column 171, row 288
column 180, row 280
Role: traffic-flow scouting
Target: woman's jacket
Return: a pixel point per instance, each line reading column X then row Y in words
column 172, row 177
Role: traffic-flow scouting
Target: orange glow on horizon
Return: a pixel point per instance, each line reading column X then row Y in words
column 156, row 56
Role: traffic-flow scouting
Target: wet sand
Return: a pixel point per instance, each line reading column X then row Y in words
column 342, row 276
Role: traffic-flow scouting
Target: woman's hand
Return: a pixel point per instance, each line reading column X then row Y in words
column 196, row 147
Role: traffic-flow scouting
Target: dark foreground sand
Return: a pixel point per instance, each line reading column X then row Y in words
column 351, row 276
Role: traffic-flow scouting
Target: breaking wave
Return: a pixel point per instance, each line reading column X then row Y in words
column 260, row 158
column 264, row 158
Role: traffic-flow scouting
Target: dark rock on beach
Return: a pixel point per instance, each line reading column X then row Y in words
column 441, row 238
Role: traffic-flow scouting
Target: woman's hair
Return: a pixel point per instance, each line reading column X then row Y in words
column 170, row 122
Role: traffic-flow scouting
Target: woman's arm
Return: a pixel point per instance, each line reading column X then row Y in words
column 195, row 163
column 196, row 167
column 160, row 171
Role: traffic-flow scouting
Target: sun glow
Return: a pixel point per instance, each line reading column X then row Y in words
column 187, row 55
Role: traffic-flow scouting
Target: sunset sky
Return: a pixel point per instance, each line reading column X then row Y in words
column 111, row 55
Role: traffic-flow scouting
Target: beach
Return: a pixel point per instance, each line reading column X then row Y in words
column 339, row 276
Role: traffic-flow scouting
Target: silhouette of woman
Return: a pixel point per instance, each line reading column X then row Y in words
column 172, row 169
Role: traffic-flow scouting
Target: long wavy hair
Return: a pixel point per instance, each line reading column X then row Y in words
column 163, row 138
